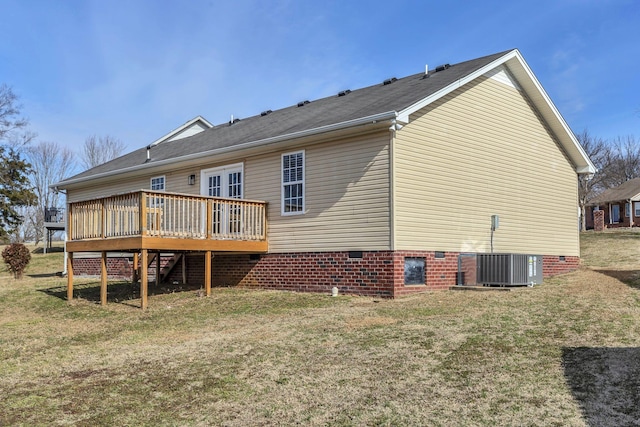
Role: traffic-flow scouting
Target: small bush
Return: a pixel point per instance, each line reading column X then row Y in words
column 17, row 257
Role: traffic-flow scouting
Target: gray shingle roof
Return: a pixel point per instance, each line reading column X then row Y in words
column 625, row 191
column 357, row 104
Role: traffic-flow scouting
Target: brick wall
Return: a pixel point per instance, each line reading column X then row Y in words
column 117, row 267
column 302, row 272
column 552, row 265
column 375, row 273
column 440, row 273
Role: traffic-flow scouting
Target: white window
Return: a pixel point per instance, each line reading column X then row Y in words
column 627, row 210
column 293, row 183
column 636, row 209
column 225, row 181
column 157, row 183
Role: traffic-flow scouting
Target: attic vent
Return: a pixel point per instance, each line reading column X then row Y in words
column 301, row 103
column 344, row 92
column 389, row 81
column 233, row 121
column 264, row 113
column 442, row 67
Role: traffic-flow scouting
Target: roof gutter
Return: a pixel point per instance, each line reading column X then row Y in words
column 389, row 115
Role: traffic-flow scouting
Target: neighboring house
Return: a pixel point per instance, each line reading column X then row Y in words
column 621, row 205
column 353, row 190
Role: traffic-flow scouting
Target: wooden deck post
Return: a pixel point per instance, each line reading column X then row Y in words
column 103, row 278
column 158, row 270
column 184, row 268
column 136, row 265
column 70, row 276
column 207, row 273
column 143, row 279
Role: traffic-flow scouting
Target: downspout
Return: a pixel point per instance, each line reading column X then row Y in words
column 392, row 191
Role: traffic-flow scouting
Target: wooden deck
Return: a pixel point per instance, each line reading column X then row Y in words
column 149, row 221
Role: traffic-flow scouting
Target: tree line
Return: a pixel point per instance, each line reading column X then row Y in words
column 30, row 166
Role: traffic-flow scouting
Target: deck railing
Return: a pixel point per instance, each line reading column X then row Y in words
column 170, row 215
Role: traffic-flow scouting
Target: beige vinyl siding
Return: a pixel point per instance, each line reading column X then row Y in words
column 477, row 152
column 175, row 181
column 346, row 186
column 347, row 196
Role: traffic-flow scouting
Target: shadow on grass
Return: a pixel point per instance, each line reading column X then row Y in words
column 629, row 277
column 605, row 382
column 117, row 292
column 44, row 275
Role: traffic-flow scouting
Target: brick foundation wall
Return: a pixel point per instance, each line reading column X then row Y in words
column 375, row 273
column 440, row 273
column 117, row 267
column 552, row 265
column 370, row 275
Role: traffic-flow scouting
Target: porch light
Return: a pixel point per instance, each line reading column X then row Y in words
column 192, row 180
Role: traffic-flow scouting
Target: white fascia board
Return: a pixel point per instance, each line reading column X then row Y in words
column 403, row 115
column 376, row 118
column 583, row 164
column 568, row 138
column 180, row 129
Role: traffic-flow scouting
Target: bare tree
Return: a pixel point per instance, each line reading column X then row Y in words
column 600, row 154
column 26, row 231
column 624, row 162
column 99, row 150
column 50, row 163
column 12, row 125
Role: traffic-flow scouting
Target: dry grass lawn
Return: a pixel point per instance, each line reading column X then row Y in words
column 566, row 353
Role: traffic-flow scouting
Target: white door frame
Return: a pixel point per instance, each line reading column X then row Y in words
column 224, row 217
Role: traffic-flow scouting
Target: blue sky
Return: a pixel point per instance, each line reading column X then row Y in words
column 138, row 69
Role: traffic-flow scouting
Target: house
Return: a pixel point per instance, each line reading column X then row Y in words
column 620, row 205
column 375, row 191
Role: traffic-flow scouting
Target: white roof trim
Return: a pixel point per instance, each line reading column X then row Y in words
column 180, row 129
column 557, row 123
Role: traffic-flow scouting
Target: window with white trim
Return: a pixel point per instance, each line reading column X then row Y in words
column 636, row 209
column 157, row 183
column 293, row 183
column 627, row 210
